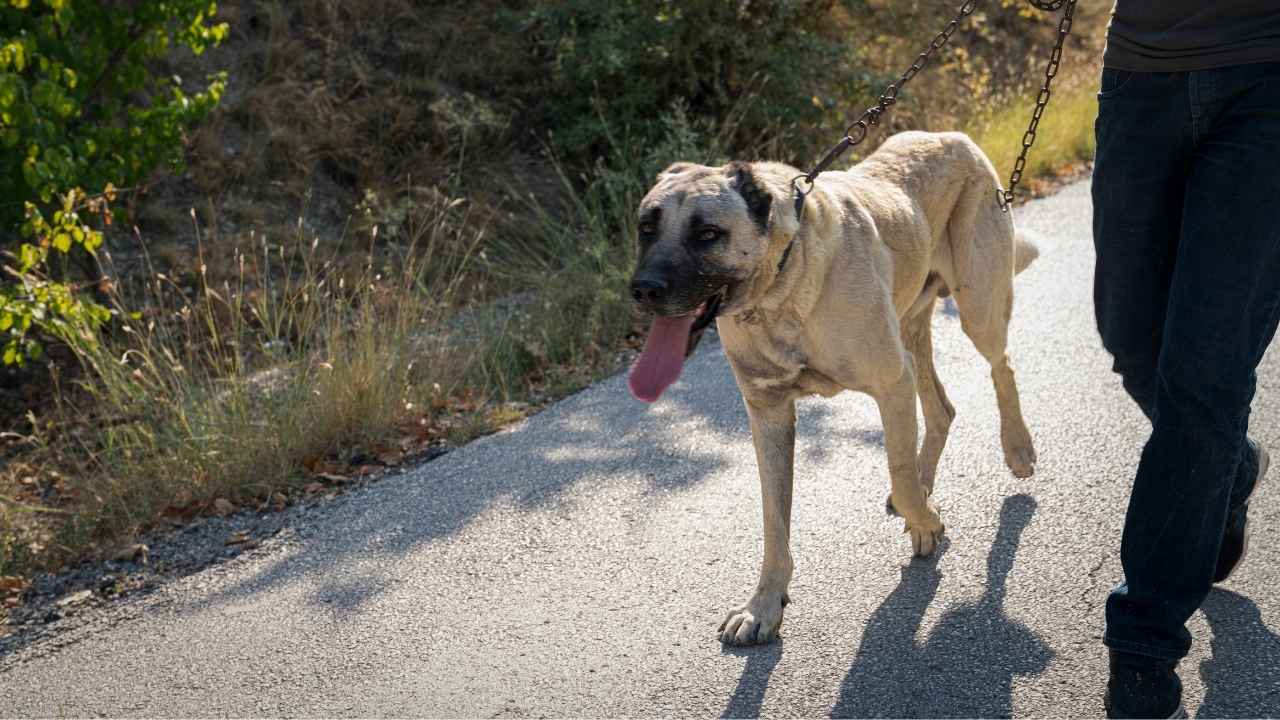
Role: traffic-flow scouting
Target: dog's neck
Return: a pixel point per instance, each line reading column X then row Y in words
column 792, row 273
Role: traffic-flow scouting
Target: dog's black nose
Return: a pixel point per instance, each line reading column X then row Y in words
column 648, row 290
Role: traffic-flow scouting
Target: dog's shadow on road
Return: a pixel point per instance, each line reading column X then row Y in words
column 749, row 695
column 1241, row 677
column 965, row 668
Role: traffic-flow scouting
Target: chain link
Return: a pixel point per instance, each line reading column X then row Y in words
column 857, row 131
column 1042, row 100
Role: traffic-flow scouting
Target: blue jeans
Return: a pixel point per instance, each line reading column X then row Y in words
column 1186, row 192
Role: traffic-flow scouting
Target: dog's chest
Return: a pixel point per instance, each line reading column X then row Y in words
column 774, row 360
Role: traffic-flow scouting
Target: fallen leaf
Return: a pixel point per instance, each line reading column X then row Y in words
column 332, row 477
column 12, row 584
column 237, row 538
column 223, row 506
column 279, row 501
column 313, row 488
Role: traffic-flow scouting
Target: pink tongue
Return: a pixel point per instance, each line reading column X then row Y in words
column 662, row 358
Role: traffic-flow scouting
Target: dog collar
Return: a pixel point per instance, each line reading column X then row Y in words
column 800, row 196
column 785, row 254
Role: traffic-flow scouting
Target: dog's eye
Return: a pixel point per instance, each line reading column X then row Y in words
column 709, row 235
column 647, row 229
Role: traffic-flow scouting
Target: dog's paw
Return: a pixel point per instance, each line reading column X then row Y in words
column 1019, row 451
column 926, row 535
column 755, row 623
column 1021, row 459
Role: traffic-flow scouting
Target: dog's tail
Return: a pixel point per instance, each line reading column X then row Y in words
column 1024, row 252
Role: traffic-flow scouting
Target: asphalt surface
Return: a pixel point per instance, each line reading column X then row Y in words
column 579, row 563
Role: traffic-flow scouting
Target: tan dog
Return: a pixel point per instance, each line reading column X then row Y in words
column 840, row 298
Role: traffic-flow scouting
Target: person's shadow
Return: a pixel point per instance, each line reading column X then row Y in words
column 967, row 665
column 1242, row 675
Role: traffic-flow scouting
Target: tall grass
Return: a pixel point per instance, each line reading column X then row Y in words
column 227, row 391
column 300, row 361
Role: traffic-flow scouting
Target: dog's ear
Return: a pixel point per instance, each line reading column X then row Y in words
column 757, row 196
column 676, row 169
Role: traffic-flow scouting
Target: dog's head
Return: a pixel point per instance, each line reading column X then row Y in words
column 703, row 235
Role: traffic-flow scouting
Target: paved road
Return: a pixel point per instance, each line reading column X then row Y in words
column 577, row 565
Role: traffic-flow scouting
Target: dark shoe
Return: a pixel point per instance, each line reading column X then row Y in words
column 1143, row 687
column 1235, row 539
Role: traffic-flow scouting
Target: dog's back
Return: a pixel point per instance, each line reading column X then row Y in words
column 948, row 225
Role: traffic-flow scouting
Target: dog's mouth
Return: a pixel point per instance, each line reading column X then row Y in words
column 671, row 340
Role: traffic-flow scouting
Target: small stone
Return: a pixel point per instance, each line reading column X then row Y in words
column 75, row 598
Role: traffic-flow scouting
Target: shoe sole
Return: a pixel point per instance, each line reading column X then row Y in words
column 1179, row 714
column 1264, row 461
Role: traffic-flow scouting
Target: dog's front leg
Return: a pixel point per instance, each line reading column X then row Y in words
column 773, row 432
column 908, row 495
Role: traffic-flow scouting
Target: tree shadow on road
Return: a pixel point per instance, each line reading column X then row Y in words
column 1242, row 676
column 600, row 434
column 967, row 665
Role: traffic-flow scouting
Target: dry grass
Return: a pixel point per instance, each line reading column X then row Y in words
column 231, row 390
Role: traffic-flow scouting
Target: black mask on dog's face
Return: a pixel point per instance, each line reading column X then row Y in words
column 701, row 231
column 702, row 235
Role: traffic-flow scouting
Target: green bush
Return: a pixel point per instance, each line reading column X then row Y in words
column 767, row 66
column 84, row 109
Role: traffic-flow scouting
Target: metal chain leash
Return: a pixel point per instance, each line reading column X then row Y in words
column 1042, row 100
column 857, row 131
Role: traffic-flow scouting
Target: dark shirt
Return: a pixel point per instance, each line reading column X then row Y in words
column 1181, row 35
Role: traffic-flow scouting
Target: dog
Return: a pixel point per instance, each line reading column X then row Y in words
column 831, row 295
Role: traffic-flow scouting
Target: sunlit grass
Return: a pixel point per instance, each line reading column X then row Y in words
column 1064, row 138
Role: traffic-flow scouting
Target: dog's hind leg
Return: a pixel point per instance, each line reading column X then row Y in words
column 990, row 339
column 773, row 433
column 917, row 335
column 984, row 317
column 897, row 403
column 985, row 259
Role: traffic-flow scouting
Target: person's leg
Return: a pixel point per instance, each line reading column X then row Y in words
column 1223, row 303
column 1143, row 158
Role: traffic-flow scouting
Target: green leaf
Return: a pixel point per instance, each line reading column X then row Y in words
column 56, row 155
column 28, row 257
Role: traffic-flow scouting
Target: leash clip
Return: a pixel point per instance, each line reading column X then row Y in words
column 801, row 194
column 1004, row 198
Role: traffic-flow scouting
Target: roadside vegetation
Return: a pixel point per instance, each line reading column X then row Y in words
column 386, row 232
